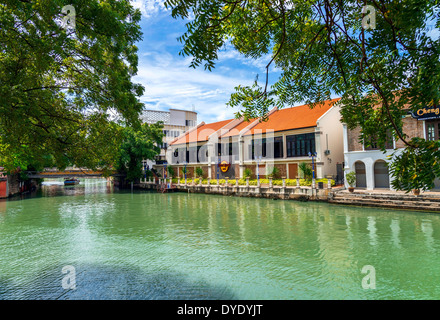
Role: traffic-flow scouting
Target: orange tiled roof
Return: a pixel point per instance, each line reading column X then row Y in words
column 293, row 118
column 202, row 133
column 236, row 130
column 280, row 120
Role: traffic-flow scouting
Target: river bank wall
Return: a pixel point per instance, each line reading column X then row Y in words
column 389, row 199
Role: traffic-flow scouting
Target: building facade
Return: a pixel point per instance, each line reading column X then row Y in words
column 289, row 136
column 371, row 164
column 175, row 121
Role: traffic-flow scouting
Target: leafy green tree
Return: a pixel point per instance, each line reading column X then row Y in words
column 138, row 145
column 381, row 59
column 62, row 83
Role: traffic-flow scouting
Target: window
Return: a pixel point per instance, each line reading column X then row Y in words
column 190, row 123
column 373, row 145
column 300, row 145
column 432, row 130
column 278, row 147
column 257, row 148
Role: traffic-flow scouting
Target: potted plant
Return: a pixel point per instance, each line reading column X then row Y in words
column 171, row 171
column 272, row 172
column 306, row 170
column 351, row 180
column 247, row 173
column 416, row 192
column 199, row 172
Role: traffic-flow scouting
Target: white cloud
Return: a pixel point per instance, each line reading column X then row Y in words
column 149, row 8
column 170, row 83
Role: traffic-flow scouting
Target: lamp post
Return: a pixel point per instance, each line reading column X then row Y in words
column 165, row 170
column 258, row 169
column 165, row 173
column 313, row 155
column 218, row 166
column 185, row 168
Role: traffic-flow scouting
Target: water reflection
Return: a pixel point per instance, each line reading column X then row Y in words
column 56, row 187
column 250, row 248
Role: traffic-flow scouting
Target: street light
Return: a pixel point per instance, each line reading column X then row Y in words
column 258, row 169
column 313, row 155
column 218, row 166
column 165, row 169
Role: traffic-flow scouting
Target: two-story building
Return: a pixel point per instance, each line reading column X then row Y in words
column 371, row 164
column 288, row 137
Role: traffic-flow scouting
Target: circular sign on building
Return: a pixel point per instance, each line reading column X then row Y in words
column 224, row 166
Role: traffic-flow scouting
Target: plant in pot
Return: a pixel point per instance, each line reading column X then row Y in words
column 171, row 171
column 351, row 180
column 199, row 172
column 306, row 170
column 273, row 172
column 247, row 173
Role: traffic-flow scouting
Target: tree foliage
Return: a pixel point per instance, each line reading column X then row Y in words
column 306, row 170
column 199, row 172
column 61, row 86
column 138, row 145
column 328, row 48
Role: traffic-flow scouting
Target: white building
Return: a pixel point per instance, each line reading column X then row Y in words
column 175, row 121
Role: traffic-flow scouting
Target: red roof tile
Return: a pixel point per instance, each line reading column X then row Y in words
column 236, row 130
column 280, row 120
column 202, row 133
column 293, row 118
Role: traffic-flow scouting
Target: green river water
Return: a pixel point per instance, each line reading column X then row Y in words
column 145, row 245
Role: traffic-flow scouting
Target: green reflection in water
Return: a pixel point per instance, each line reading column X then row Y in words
column 193, row 246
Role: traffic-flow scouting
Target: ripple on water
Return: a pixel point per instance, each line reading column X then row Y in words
column 180, row 246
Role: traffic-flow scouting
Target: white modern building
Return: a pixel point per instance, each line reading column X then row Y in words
column 176, row 122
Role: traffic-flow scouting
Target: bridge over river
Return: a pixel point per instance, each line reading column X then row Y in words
column 67, row 173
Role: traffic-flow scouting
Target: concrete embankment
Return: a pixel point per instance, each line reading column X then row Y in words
column 426, row 201
column 262, row 191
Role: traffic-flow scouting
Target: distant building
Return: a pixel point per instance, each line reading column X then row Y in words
column 288, row 137
column 175, row 121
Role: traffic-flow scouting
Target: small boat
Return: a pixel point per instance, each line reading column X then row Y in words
column 70, row 181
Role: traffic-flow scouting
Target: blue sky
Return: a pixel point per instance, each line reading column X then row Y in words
column 170, row 83
column 167, row 78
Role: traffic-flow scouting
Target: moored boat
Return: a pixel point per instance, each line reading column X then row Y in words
column 70, row 181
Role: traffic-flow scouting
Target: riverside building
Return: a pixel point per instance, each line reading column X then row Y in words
column 289, row 136
column 175, row 123
column 370, row 164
